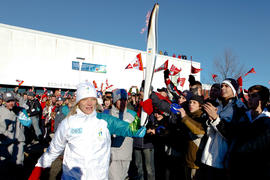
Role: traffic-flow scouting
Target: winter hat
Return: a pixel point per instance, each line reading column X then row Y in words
column 85, row 90
column 163, row 90
column 44, row 96
column 8, row 96
column 187, row 94
column 119, row 94
column 232, row 83
column 197, row 98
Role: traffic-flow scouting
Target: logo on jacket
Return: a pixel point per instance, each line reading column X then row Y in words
column 100, row 135
column 76, row 130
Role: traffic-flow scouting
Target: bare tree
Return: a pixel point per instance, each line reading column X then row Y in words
column 228, row 66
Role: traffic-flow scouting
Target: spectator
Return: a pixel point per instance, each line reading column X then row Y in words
column 47, row 113
column 61, row 111
column 216, row 148
column 249, row 156
column 215, row 92
column 34, row 113
column 107, row 103
column 121, row 150
column 194, row 120
column 12, row 139
column 144, row 154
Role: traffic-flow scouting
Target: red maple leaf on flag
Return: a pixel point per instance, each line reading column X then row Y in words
column 174, row 70
column 250, row 71
column 181, row 81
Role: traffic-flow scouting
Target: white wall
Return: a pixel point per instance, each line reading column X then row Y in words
column 45, row 60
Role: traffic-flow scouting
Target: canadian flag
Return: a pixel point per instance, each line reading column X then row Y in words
column 20, row 82
column 174, row 70
column 195, row 70
column 136, row 63
column 163, row 66
column 181, row 81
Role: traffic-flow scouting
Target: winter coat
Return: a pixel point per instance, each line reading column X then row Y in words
column 60, row 115
column 147, row 141
column 217, row 145
column 12, row 134
column 124, row 152
column 194, row 122
column 86, row 140
column 249, row 154
column 34, row 107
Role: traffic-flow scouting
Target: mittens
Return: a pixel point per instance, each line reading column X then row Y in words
column 36, row 173
column 166, row 73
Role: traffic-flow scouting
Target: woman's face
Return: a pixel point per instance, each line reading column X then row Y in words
column 107, row 103
column 88, row 105
column 181, row 99
column 194, row 106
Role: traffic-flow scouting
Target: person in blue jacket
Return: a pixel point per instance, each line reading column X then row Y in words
column 85, row 137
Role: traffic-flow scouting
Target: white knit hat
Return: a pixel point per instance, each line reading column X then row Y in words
column 85, row 90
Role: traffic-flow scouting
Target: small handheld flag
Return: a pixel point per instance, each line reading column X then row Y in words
column 214, row 77
column 250, row 71
column 195, row 70
column 163, row 66
column 20, row 82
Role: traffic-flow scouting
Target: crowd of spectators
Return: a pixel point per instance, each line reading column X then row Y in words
column 225, row 136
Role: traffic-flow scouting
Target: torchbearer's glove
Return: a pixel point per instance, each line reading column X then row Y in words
column 36, row 173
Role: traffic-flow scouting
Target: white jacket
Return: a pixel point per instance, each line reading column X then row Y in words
column 216, row 147
column 86, row 141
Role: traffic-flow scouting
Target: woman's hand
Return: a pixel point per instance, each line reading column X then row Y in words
column 182, row 112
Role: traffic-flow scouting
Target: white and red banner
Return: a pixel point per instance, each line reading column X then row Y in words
column 163, row 66
column 136, row 63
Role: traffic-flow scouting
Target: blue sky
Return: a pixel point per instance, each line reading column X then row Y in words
column 202, row 29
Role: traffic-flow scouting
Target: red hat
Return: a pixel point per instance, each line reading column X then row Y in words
column 43, row 96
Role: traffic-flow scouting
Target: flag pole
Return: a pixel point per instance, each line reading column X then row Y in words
column 191, row 65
